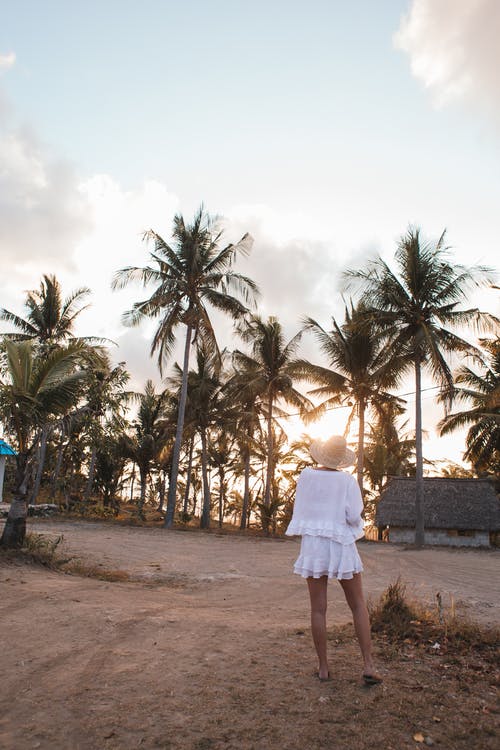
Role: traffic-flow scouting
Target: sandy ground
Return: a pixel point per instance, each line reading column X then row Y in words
column 208, row 628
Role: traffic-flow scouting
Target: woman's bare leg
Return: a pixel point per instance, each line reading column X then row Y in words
column 353, row 591
column 318, row 595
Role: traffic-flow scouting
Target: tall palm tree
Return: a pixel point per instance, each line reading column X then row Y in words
column 415, row 306
column 482, row 392
column 360, row 372
column 190, row 276
column 34, row 389
column 272, row 363
column 49, row 319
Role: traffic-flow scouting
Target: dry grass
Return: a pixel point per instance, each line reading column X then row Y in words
column 441, row 679
column 76, row 567
column 37, row 549
column 397, row 619
column 44, row 550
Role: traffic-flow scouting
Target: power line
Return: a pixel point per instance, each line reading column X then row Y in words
column 336, row 408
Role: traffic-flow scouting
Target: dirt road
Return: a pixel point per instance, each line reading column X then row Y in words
column 209, row 628
column 254, row 572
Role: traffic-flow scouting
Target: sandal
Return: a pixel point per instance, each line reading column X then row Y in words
column 323, row 679
column 372, row 679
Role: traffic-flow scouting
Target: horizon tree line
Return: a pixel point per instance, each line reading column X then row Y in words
column 63, row 403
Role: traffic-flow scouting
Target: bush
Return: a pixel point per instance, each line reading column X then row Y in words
column 41, row 544
column 393, row 615
column 398, row 621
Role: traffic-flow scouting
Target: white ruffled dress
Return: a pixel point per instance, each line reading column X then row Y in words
column 327, row 514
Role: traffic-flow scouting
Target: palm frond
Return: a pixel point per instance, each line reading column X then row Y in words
column 227, row 255
column 22, row 325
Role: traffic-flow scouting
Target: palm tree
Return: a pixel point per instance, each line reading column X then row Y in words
column 284, row 479
column 110, row 463
column 106, row 396
column 359, row 374
column 414, row 306
column 272, row 364
column 243, row 390
column 221, row 457
column 34, row 389
column 208, row 409
column 191, row 276
column 482, row 392
column 390, row 449
column 150, row 434
column 49, row 319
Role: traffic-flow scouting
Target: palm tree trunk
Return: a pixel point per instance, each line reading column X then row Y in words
column 90, row 478
column 14, row 530
column 67, row 483
column 246, row 490
column 221, row 496
column 419, row 474
column 132, row 482
column 254, row 492
column 188, row 477
column 41, row 462
column 361, row 442
column 172, row 488
column 270, row 463
column 144, row 481
column 161, row 489
column 270, row 455
column 205, row 515
column 57, row 470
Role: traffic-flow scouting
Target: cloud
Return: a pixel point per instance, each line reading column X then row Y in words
column 296, row 273
column 297, row 268
column 42, row 213
column 453, row 49
column 7, row 61
column 133, row 347
column 118, row 220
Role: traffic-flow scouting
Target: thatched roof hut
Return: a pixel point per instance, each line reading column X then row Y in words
column 453, row 508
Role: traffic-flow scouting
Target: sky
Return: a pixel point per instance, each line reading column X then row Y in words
column 323, row 129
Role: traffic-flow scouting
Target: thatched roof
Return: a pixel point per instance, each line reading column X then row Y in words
column 462, row 504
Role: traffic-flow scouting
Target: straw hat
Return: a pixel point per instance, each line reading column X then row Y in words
column 332, row 453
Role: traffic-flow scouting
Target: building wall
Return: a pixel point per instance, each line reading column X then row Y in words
column 449, row 538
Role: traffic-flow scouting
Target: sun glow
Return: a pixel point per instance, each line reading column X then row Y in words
column 334, row 422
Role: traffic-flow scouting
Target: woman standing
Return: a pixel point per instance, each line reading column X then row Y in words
column 327, row 514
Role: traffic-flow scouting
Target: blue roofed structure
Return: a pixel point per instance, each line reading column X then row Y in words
column 6, row 450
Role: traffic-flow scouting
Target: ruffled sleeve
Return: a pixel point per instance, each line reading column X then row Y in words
column 354, row 509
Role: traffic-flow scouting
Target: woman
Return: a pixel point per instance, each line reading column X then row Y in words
column 327, row 514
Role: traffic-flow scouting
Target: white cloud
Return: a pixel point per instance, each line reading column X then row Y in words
column 453, row 49
column 296, row 264
column 133, row 347
column 42, row 213
column 118, row 220
column 7, row 61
